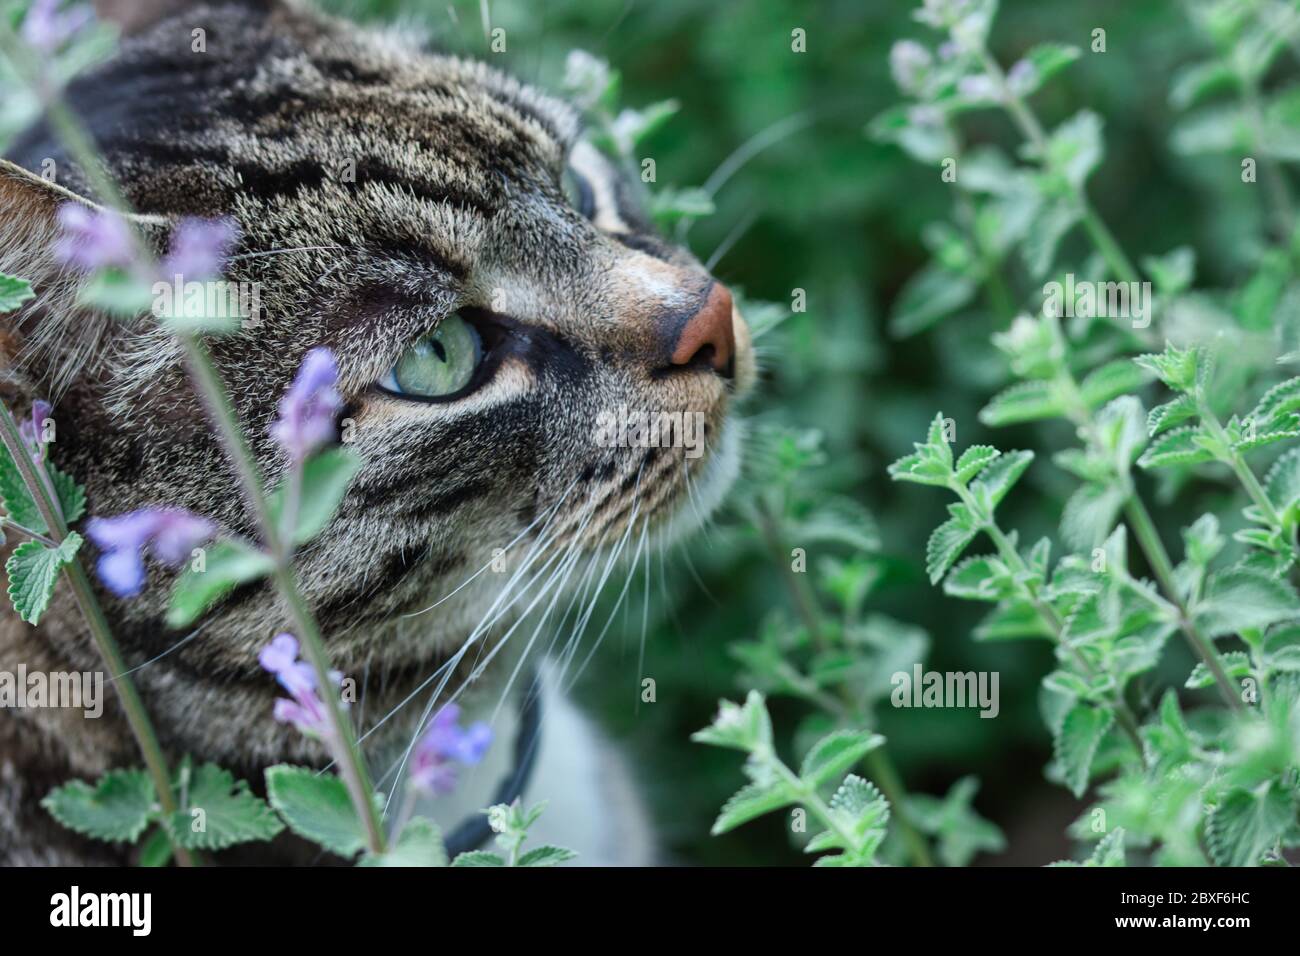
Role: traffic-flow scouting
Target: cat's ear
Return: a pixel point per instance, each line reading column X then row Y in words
column 132, row 16
column 29, row 222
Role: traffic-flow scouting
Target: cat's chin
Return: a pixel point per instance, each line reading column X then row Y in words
column 708, row 487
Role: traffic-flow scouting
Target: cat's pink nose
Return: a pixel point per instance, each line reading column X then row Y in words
column 708, row 338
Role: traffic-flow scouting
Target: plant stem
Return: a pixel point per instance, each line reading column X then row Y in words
column 1032, row 130
column 1148, row 538
column 352, row 767
column 137, row 717
column 882, row 769
column 1011, row 557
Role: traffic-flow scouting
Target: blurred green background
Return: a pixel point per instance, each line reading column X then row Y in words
column 841, row 216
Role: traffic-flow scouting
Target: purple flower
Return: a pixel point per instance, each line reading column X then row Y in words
column 978, row 86
column 1022, row 77
column 93, row 238
column 199, row 249
column 443, row 744
column 46, row 29
column 305, row 710
column 33, row 431
column 170, row 534
column 308, row 409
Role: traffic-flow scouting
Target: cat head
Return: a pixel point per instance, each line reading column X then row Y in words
column 531, row 372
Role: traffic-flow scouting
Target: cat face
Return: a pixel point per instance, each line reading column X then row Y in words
column 533, row 376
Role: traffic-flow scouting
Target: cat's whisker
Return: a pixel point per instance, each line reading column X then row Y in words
column 738, row 230
column 546, row 515
column 645, row 619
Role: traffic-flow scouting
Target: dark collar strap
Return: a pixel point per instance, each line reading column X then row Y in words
column 474, row 831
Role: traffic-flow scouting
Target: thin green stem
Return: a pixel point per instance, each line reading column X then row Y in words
column 1032, row 130
column 136, row 716
column 1238, row 464
column 352, row 767
column 882, row 769
column 1148, row 538
column 1011, row 557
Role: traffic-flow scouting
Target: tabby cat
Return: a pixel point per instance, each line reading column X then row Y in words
column 409, row 210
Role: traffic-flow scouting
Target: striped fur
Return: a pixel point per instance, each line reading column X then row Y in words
column 456, row 203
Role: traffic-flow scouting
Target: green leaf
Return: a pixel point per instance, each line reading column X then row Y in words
column 1012, row 620
column 316, row 806
column 419, row 844
column 1120, row 377
column 945, row 546
column 13, row 293
column 927, row 297
column 1023, row 402
column 739, row 726
column 17, row 501
column 973, row 461
column 998, row 478
column 118, row 292
column 1048, row 226
column 1166, row 416
column 227, row 564
column 1047, row 59
column 1278, row 400
column 33, row 571
column 479, row 858
column 1178, row 447
column 1172, row 272
column 72, row 497
column 116, row 809
column 1076, row 744
column 156, row 850
column 1110, row 851
column 983, row 578
column 1074, row 148
column 1090, row 514
column 546, row 856
column 325, row 480
column 750, row 801
column 1178, row 368
column 1282, row 482
column 219, row 812
column 1241, row 598
column 1236, row 664
column 861, row 806
column 670, row 204
column 836, row 754
column 1246, row 824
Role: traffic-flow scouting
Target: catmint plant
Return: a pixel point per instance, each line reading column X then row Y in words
column 1216, row 784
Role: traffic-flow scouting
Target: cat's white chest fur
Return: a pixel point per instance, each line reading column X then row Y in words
column 593, row 806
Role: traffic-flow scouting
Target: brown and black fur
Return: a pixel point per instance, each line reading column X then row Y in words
column 456, row 203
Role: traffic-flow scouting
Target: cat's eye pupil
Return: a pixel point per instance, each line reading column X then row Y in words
column 440, row 365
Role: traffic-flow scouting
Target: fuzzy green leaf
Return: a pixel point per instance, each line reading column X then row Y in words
column 419, row 844
column 325, row 479
column 1178, row 447
column 945, row 546
column 227, row 564
column 1241, row 598
column 836, row 754
column 33, row 571
column 1246, row 824
column 1166, row 416
column 316, row 806
column 973, row 460
column 1022, row 402
column 117, row 808
column 750, row 801
column 479, row 858
column 13, row 293
column 1283, row 480
column 1076, row 744
column 999, row 478
column 546, row 856
column 739, row 726
column 1120, row 377
column 1090, row 514
column 220, row 812
column 1236, row 664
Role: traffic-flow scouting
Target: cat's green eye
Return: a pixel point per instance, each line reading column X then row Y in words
column 439, row 365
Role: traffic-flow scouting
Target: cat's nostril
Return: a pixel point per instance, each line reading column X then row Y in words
column 708, row 338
